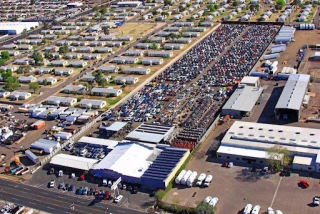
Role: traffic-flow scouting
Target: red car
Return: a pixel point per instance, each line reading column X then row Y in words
column 304, row 183
column 107, row 195
column 225, row 164
column 82, row 177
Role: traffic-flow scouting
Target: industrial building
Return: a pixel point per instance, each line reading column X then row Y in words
column 242, row 101
column 15, row 28
column 72, row 162
column 139, row 164
column 106, row 144
column 247, row 142
column 112, row 129
column 292, row 97
column 150, row 133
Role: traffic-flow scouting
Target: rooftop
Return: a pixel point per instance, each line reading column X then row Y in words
column 243, row 98
column 293, row 93
column 72, row 161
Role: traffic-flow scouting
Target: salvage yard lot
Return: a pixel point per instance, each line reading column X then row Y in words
column 237, row 186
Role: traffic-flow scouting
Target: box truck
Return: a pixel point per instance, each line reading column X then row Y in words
column 192, row 178
column 185, row 177
column 180, row 176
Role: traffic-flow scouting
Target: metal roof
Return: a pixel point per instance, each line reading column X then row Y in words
column 99, row 141
column 243, row 98
column 293, row 92
column 308, row 161
column 150, row 133
column 116, row 126
column 130, row 159
column 72, row 161
column 164, row 163
column 263, row 136
column 249, row 80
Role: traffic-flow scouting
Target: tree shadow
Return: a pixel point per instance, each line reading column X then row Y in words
column 246, row 175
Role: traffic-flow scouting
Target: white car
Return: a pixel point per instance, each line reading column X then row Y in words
column 230, row 164
column 105, row 182
column 109, row 183
column 118, row 198
column 207, row 181
column 214, row 201
column 279, row 212
column 316, row 201
column 207, row 199
column 60, row 174
column 270, row 210
column 255, row 209
column 52, row 183
column 201, row 177
column 247, row 209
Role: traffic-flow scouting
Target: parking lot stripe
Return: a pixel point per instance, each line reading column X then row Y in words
column 275, row 194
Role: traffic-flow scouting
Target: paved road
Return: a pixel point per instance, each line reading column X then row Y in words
column 53, row 202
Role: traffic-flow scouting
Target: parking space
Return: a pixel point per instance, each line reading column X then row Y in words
column 41, row 179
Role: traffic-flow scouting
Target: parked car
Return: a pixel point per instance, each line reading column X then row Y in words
column 270, row 210
column 264, row 170
column 285, row 173
column 279, row 212
column 247, row 209
column 304, row 183
column 85, row 191
column 124, row 186
column 61, row 186
column 100, row 195
column 213, row 202
column 68, row 147
column 109, row 183
column 207, row 199
column 207, row 181
column 71, row 188
column 107, row 195
column 255, row 209
column 79, row 191
column 60, row 173
column 104, row 182
column 230, row 164
column 51, row 183
column 118, row 198
column 225, row 164
column 129, row 188
column 135, row 190
column 316, row 201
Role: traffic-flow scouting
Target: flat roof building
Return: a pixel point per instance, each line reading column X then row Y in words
column 242, row 101
column 248, row 142
column 74, row 162
column 150, row 133
column 291, row 99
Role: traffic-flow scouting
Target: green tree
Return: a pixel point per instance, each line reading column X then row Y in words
column 45, row 25
column 280, row 4
column 165, row 14
column 278, row 156
column 32, row 2
column 211, row 7
column 103, row 10
column 98, row 76
column 5, row 55
column 103, row 82
column 34, row 86
column 63, row 49
column 12, row 84
column 95, row 8
column 45, row 82
column 3, row 62
column 106, row 30
column 154, row 46
column 167, row 2
column 38, row 58
column 24, row 69
column 204, row 208
column 215, row 6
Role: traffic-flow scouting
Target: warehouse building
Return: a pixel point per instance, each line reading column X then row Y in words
column 72, row 162
column 112, row 129
column 292, row 97
column 15, row 28
column 242, row 101
column 107, row 145
column 150, row 133
column 139, row 164
column 247, row 142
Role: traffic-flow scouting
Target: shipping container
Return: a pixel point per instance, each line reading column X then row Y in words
column 271, row 56
column 282, row 40
column 38, row 124
column 34, row 158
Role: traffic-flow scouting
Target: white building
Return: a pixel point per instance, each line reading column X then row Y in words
column 247, row 142
column 88, row 103
column 15, row 28
column 20, row 95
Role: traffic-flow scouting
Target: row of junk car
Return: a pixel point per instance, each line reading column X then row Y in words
column 249, row 209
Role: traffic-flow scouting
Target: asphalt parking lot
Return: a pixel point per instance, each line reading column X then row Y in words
column 41, row 178
column 237, row 186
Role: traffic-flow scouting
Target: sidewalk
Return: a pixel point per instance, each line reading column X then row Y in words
column 35, row 211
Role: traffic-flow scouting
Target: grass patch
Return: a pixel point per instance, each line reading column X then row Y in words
column 113, row 100
column 34, row 47
column 134, row 29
